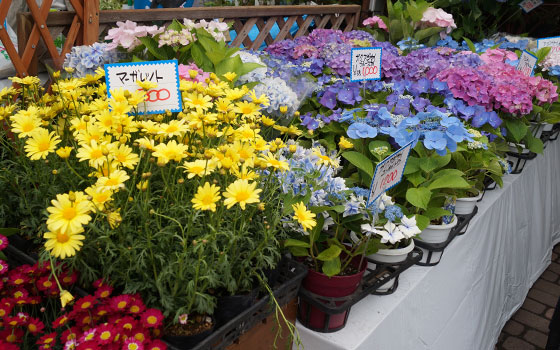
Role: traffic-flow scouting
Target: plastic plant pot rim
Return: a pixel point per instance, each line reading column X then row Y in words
column 471, row 199
column 393, row 252
column 452, row 224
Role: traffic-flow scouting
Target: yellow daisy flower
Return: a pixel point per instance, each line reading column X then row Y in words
column 323, row 159
column 199, row 168
column 271, row 161
column 99, row 196
column 174, row 128
column 304, row 216
column 206, row 197
column 114, row 181
column 146, row 85
column 64, row 152
column 198, row 101
column 63, row 244
column 241, row 192
column 26, row 122
column 344, row 143
column 41, row 143
column 247, row 108
column 68, row 213
column 95, row 153
column 170, row 151
column 124, row 156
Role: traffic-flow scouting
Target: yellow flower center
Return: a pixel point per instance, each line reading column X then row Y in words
column 27, row 127
column 11, row 338
column 2, row 312
column 139, row 337
column 105, row 335
column 69, row 213
column 247, row 110
column 32, row 328
column 121, row 304
column 96, row 153
column 112, row 182
column 18, row 281
column 86, row 305
column 44, row 145
column 207, row 199
column 62, row 237
column 172, row 129
column 242, row 196
column 47, row 284
column 91, row 335
column 104, row 294
column 134, row 308
column 18, row 294
column 132, row 346
column 121, row 158
column 152, row 320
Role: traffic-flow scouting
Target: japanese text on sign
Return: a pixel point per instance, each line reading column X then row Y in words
column 530, row 5
column 165, row 96
column 365, row 64
column 553, row 43
column 527, row 63
column 389, row 172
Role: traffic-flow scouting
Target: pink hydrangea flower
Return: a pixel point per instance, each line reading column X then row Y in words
column 433, row 17
column 497, row 55
column 126, row 34
column 368, row 22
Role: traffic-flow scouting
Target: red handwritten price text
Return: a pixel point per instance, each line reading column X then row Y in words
column 370, row 71
column 389, row 178
column 157, row 95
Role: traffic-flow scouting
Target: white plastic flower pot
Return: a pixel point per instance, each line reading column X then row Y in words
column 548, row 127
column 437, row 233
column 392, row 256
column 465, row 205
column 513, row 148
column 536, row 129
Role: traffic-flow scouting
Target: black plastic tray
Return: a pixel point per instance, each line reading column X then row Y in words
column 434, row 251
column 291, row 273
column 373, row 279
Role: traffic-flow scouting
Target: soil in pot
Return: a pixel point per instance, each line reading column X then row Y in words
column 187, row 336
column 232, row 305
column 333, row 287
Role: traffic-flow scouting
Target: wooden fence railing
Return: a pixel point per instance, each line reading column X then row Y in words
column 243, row 19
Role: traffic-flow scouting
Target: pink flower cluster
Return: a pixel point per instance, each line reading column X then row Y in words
column 433, row 17
column 497, row 55
column 200, row 76
column 498, row 86
column 126, row 34
column 468, row 84
column 369, row 22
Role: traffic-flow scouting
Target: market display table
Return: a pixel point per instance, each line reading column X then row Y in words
column 482, row 279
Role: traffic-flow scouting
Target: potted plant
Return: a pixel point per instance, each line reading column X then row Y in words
column 395, row 232
column 478, row 160
column 324, row 229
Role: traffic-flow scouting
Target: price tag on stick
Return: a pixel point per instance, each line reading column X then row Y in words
column 527, row 63
column 529, row 5
column 365, row 63
column 165, row 97
column 388, row 173
column 553, row 43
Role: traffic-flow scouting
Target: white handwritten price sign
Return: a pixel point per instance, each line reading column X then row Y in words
column 553, row 43
column 529, row 5
column 527, row 63
column 164, row 97
column 388, row 173
column 365, row 63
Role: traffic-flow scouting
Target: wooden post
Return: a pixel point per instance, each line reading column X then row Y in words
column 24, row 26
column 365, row 10
column 91, row 21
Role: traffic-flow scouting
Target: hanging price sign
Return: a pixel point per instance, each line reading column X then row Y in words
column 365, row 63
column 388, row 173
column 164, row 97
column 527, row 63
column 529, row 5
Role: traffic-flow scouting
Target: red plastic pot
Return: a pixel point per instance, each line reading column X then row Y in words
column 334, row 287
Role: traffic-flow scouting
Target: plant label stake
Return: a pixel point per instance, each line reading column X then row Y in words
column 527, row 63
column 164, row 97
column 553, row 43
column 388, row 173
column 529, row 5
column 365, row 63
